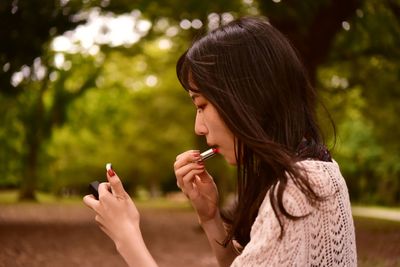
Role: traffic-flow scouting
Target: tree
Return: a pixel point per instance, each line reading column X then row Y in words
column 40, row 119
column 363, row 77
column 311, row 25
column 28, row 26
column 336, row 39
column 22, row 81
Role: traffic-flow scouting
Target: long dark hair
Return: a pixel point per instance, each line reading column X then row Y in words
column 251, row 74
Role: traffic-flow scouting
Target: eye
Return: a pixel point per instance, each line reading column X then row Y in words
column 200, row 107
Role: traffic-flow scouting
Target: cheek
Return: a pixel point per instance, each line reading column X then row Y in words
column 233, row 153
column 232, row 161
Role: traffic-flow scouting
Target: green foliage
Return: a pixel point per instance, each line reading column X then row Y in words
column 11, row 136
column 28, row 27
column 360, row 83
column 124, row 104
column 139, row 128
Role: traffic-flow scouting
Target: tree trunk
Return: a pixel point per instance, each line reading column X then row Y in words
column 34, row 126
column 313, row 41
column 28, row 186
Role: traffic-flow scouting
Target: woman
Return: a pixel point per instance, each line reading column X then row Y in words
column 256, row 106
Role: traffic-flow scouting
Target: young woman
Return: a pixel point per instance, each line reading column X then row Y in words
column 256, row 106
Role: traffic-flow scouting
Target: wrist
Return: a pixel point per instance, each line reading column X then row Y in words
column 210, row 219
column 214, row 225
column 133, row 249
column 128, row 239
column 216, row 234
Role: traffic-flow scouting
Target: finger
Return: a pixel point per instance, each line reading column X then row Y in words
column 209, row 193
column 207, row 187
column 90, row 201
column 182, row 155
column 105, row 230
column 205, row 177
column 183, row 171
column 188, row 181
column 99, row 220
column 116, row 184
column 187, row 157
column 101, row 223
column 104, row 190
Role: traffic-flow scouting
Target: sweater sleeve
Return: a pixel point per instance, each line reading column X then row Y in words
column 322, row 236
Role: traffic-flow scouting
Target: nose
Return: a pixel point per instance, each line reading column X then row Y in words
column 200, row 127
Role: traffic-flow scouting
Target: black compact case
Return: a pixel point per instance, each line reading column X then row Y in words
column 94, row 189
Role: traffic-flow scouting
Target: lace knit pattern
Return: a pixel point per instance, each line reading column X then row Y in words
column 325, row 237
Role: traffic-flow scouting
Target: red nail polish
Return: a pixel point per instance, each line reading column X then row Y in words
column 111, row 172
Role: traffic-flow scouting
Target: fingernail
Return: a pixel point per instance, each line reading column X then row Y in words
column 111, row 172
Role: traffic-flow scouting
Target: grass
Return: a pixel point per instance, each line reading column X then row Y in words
column 10, row 197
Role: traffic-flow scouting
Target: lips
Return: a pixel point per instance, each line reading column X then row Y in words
column 213, row 146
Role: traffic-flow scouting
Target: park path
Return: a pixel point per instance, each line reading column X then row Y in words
column 377, row 213
column 66, row 235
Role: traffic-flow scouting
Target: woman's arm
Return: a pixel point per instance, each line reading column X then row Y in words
column 134, row 250
column 216, row 234
column 200, row 189
column 118, row 217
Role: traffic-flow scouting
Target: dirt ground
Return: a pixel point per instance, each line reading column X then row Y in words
column 65, row 235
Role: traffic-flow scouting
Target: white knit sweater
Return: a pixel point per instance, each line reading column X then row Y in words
column 325, row 237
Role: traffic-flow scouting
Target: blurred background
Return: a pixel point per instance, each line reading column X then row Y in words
column 86, row 82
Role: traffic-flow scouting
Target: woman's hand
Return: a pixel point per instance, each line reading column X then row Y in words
column 118, row 217
column 197, row 184
column 116, row 214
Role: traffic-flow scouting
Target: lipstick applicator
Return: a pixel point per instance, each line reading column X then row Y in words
column 208, row 154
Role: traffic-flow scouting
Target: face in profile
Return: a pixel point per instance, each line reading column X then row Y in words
column 209, row 124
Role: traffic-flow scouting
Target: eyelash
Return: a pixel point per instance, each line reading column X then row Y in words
column 201, row 107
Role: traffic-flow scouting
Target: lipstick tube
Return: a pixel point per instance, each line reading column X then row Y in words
column 208, row 154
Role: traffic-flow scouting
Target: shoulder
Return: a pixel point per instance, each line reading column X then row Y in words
column 323, row 234
column 324, row 179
